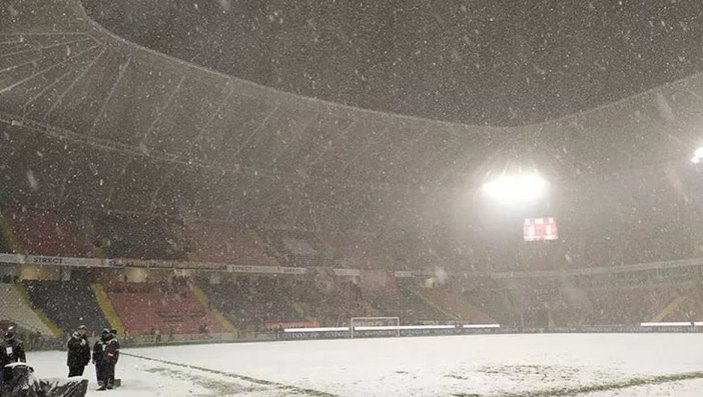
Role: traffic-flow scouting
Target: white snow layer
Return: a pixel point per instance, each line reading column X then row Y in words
column 602, row 365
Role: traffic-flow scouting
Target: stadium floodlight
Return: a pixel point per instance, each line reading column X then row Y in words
column 517, row 188
column 697, row 156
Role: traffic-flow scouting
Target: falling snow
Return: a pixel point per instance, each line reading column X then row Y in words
column 33, row 183
column 228, row 169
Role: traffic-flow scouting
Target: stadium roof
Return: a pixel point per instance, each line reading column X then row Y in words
column 94, row 120
column 494, row 62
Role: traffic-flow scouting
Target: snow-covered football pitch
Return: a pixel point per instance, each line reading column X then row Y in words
column 592, row 365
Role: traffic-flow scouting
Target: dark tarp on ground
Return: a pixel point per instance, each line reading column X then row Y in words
column 25, row 384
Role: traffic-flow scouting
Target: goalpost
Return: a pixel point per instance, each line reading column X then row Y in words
column 357, row 324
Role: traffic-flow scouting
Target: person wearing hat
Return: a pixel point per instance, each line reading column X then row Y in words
column 112, row 354
column 78, row 352
column 100, row 359
column 115, row 344
column 11, row 351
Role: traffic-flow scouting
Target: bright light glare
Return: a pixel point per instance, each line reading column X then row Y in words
column 517, row 188
column 697, row 156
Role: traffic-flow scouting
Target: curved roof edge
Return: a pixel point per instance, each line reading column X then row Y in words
column 96, row 25
column 561, row 119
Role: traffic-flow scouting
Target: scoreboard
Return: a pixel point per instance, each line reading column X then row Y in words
column 540, row 229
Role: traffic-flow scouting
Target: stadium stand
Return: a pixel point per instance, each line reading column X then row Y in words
column 67, row 303
column 223, row 243
column 628, row 304
column 495, row 302
column 50, row 233
column 415, row 251
column 407, row 305
column 7, row 238
column 686, row 305
column 252, row 304
column 139, row 237
column 456, row 305
column 330, row 302
column 355, row 251
column 5, row 246
column 301, row 249
column 534, row 301
column 169, row 308
column 618, row 299
column 16, row 309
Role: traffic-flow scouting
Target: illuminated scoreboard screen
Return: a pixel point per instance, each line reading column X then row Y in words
column 540, row 229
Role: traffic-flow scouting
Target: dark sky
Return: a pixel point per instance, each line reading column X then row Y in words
column 500, row 62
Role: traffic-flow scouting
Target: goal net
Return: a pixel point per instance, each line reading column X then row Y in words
column 373, row 326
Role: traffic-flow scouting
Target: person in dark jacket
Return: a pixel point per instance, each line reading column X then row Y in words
column 78, row 352
column 99, row 360
column 112, row 355
column 11, row 351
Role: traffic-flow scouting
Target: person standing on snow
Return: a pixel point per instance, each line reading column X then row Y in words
column 113, row 352
column 11, row 351
column 100, row 361
column 78, row 352
column 105, row 355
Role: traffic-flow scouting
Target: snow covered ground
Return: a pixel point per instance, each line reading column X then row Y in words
column 591, row 365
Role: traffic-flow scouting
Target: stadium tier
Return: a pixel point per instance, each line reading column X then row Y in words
column 43, row 232
column 356, row 251
column 269, row 302
column 685, row 305
column 139, row 237
column 68, row 304
column 17, row 309
column 170, row 308
column 494, row 302
column 299, row 248
column 329, row 302
column 410, row 307
column 454, row 304
column 629, row 304
column 254, row 304
column 227, row 243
